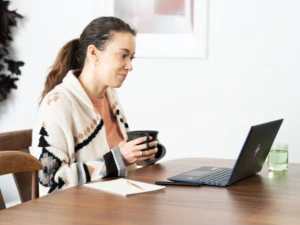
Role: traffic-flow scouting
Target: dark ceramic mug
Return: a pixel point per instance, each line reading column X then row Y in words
column 147, row 133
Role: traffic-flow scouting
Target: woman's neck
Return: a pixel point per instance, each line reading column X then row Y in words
column 92, row 87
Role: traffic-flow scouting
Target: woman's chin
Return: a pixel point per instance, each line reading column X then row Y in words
column 117, row 85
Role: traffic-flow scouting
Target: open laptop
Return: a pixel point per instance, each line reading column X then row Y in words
column 249, row 162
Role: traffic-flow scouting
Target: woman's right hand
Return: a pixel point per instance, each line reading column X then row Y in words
column 132, row 151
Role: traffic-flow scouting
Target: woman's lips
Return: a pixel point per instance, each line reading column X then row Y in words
column 123, row 76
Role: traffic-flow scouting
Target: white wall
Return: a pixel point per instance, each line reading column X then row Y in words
column 202, row 108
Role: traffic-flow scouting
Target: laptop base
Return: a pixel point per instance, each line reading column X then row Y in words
column 213, row 176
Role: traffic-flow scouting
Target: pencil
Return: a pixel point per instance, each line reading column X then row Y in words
column 132, row 184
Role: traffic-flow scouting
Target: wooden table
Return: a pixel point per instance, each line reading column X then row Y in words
column 267, row 198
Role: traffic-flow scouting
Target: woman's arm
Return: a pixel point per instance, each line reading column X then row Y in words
column 61, row 170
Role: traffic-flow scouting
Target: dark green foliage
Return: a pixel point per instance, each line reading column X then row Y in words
column 9, row 69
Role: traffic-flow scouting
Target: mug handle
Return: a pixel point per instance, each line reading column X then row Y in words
column 161, row 151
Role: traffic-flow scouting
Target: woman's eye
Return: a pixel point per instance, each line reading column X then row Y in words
column 132, row 58
column 124, row 56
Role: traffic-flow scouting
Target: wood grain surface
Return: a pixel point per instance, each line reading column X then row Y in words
column 266, row 198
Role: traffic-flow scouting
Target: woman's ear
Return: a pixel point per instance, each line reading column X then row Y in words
column 92, row 54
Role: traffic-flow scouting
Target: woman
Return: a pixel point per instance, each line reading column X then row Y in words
column 80, row 134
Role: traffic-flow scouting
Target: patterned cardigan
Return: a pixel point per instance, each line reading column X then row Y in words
column 70, row 141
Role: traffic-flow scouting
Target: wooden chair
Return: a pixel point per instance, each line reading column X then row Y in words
column 15, row 159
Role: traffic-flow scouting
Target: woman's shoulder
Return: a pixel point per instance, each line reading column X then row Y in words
column 54, row 111
column 56, row 101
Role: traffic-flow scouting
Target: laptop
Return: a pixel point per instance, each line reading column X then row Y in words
column 249, row 162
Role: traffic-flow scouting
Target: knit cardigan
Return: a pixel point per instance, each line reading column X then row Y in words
column 69, row 138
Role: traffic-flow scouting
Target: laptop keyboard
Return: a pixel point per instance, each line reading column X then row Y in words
column 220, row 177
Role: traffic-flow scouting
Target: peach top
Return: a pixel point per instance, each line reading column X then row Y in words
column 113, row 133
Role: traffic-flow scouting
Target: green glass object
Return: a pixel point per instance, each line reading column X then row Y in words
column 278, row 157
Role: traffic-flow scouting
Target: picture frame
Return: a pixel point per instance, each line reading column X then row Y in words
column 170, row 45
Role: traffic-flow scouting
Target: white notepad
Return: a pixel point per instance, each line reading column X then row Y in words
column 124, row 187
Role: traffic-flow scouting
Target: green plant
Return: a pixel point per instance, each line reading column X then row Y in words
column 9, row 68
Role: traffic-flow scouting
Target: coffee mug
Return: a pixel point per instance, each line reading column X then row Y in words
column 147, row 133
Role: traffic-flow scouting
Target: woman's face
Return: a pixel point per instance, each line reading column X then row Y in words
column 114, row 62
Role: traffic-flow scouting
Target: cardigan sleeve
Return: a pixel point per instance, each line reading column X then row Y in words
column 50, row 146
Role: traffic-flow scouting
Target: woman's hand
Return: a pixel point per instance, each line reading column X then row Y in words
column 132, row 151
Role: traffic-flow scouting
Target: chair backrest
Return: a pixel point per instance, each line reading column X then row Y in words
column 14, row 151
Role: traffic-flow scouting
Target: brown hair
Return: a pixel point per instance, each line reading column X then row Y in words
column 72, row 55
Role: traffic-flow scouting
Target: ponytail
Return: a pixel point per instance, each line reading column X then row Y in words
column 66, row 60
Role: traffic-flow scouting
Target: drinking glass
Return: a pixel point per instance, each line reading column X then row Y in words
column 278, row 157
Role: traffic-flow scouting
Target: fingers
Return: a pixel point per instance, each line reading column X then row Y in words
column 138, row 156
column 151, row 152
column 144, row 146
column 131, row 151
column 144, row 155
column 140, row 140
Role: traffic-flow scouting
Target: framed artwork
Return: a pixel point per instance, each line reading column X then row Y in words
column 165, row 28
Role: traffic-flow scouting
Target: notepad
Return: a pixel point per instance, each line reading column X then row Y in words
column 124, row 187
